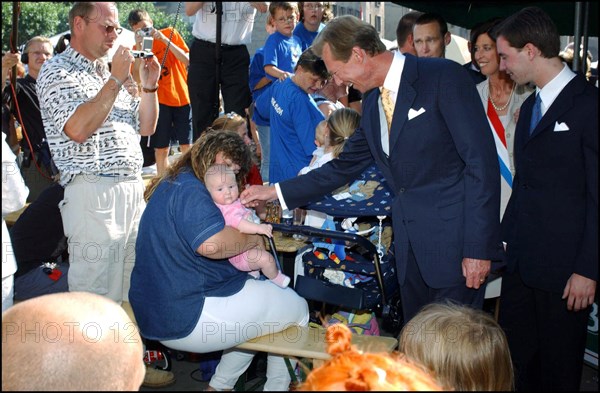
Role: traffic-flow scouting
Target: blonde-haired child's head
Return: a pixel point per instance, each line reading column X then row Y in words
column 341, row 124
column 321, row 134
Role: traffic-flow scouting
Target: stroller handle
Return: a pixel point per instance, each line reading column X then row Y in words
column 311, row 231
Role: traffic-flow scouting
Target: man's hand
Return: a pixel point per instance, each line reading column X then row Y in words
column 149, row 72
column 579, row 292
column 121, row 63
column 475, row 271
column 10, row 59
column 252, row 195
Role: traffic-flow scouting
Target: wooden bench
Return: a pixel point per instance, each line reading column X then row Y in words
column 309, row 343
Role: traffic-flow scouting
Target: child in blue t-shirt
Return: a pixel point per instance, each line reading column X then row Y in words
column 282, row 49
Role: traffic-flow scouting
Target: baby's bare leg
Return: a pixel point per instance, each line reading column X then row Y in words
column 261, row 259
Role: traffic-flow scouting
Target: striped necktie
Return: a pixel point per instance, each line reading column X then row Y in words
column 388, row 106
column 536, row 113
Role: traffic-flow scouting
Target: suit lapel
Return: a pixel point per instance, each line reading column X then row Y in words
column 404, row 100
column 562, row 104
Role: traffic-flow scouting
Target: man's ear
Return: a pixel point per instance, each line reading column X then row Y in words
column 531, row 50
column 359, row 54
column 447, row 38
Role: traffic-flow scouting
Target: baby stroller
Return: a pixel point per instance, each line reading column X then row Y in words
column 351, row 261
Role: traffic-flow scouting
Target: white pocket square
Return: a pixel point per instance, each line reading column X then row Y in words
column 413, row 113
column 561, row 127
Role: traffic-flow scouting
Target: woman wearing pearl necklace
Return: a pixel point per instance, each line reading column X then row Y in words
column 501, row 99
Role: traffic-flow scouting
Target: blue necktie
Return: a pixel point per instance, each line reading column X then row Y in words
column 536, row 113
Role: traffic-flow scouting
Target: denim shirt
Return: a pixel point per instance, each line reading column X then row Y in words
column 170, row 280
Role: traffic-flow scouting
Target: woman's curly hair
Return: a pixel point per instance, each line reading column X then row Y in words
column 202, row 155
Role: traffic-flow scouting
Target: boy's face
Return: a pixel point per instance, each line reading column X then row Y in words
column 138, row 26
column 222, row 186
column 313, row 13
column 285, row 21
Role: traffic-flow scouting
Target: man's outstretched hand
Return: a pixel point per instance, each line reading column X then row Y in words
column 253, row 195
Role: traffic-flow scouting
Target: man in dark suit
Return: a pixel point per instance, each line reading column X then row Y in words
column 439, row 159
column 551, row 221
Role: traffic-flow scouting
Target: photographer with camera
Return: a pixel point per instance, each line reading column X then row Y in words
column 93, row 124
column 174, row 114
column 40, row 173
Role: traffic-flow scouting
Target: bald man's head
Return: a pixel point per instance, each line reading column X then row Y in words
column 70, row 341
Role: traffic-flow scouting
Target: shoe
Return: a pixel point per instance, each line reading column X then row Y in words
column 158, row 378
column 149, row 170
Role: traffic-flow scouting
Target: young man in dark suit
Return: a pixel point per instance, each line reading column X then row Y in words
column 438, row 157
column 551, row 221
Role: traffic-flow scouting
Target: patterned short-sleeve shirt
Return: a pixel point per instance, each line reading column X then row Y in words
column 69, row 80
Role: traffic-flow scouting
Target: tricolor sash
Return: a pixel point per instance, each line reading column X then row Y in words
column 500, row 141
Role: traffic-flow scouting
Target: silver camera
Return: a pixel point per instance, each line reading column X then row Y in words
column 146, row 51
column 141, row 54
column 146, row 31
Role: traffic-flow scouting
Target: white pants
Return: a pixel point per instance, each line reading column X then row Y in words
column 101, row 217
column 7, row 292
column 260, row 308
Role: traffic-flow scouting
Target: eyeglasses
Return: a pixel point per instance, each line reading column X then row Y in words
column 311, row 7
column 289, row 19
column 110, row 28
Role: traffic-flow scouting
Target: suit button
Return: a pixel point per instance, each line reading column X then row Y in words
column 401, row 190
column 524, row 186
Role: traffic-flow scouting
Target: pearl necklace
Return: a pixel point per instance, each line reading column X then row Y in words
column 501, row 108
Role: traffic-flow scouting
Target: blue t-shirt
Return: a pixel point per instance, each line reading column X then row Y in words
column 306, row 37
column 282, row 52
column 262, row 112
column 256, row 72
column 293, row 117
column 170, row 280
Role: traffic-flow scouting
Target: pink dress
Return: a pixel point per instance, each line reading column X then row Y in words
column 233, row 214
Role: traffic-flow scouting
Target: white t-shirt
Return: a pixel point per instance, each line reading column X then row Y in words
column 14, row 196
column 236, row 26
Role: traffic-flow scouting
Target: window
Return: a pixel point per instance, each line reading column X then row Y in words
column 378, row 24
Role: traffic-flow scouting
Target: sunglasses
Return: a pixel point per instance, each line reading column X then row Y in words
column 109, row 29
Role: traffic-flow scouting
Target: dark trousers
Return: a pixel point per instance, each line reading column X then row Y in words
column 415, row 293
column 202, row 82
column 546, row 341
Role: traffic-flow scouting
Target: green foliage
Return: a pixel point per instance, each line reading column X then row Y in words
column 36, row 18
column 50, row 18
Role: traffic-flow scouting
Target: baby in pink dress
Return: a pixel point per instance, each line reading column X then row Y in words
column 221, row 183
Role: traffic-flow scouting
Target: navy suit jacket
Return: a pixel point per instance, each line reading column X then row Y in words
column 443, row 169
column 551, row 221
